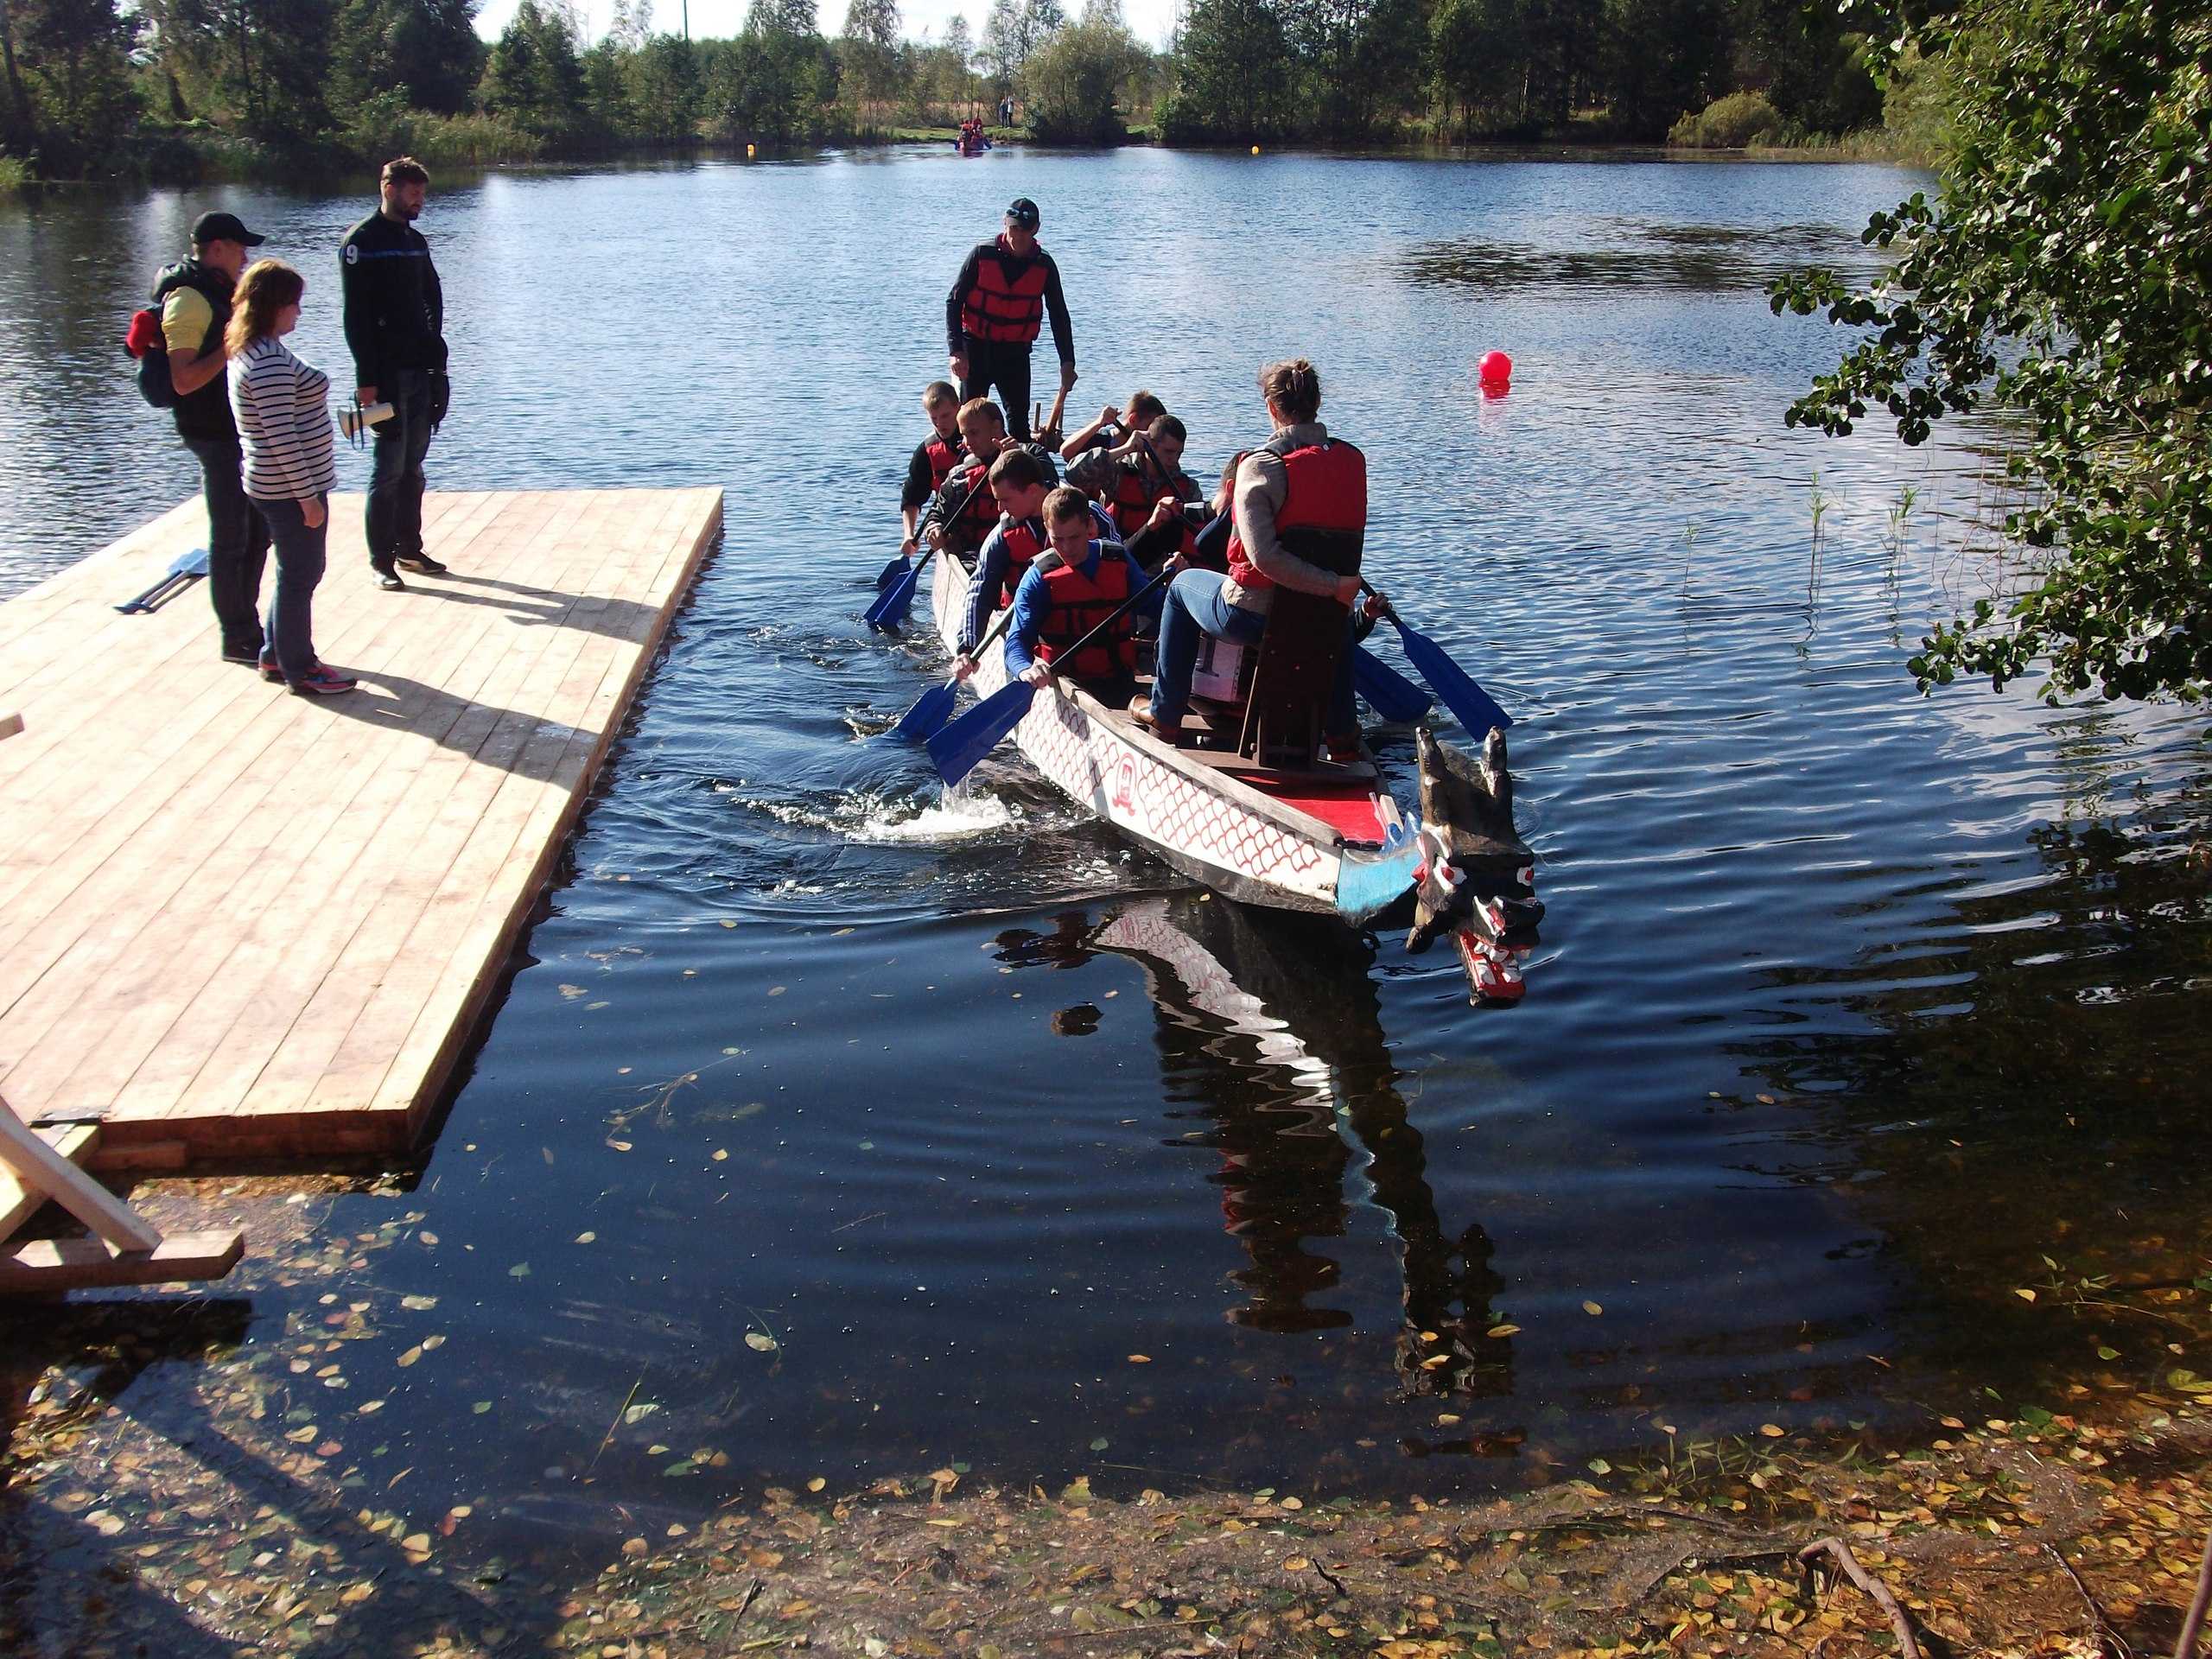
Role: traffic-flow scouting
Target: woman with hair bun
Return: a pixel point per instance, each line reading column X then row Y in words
column 283, row 407
column 1305, row 491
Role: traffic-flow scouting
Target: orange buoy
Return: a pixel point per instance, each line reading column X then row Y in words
column 1255, row 149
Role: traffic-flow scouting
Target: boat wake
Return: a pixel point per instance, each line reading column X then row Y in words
column 869, row 819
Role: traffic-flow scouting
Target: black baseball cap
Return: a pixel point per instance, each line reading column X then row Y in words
column 223, row 227
column 1023, row 212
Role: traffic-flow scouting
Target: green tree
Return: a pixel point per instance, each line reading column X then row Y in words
column 1233, row 73
column 2063, row 275
column 81, row 105
column 665, row 90
column 1014, row 29
column 1072, row 83
column 430, row 48
column 533, row 78
column 869, row 48
column 1479, row 56
column 773, row 80
column 1664, row 58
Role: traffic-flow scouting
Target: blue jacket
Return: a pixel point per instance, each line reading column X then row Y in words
column 991, row 564
column 1033, row 603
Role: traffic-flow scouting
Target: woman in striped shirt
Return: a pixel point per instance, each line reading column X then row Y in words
column 291, row 467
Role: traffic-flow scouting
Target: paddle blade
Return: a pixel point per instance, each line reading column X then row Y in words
column 1393, row 697
column 891, row 604
column 930, row 710
column 1472, row 706
column 892, row 572
column 959, row 747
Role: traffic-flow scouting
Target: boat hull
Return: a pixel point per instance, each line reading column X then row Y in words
column 1210, row 825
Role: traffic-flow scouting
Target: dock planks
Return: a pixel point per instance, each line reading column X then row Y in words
column 239, row 925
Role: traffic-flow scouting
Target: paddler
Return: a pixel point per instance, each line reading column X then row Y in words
column 933, row 459
column 1001, row 299
column 1131, row 477
column 1113, row 425
column 964, row 513
column 1069, row 590
column 1019, row 480
column 1303, row 487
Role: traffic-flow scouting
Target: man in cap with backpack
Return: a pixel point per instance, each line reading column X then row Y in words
column 194, row 296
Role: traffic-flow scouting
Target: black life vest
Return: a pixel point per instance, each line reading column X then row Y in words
column 1081, row 603
column 1024, row 541
column 205, row 413
column 1324, row 503
column 997, row 308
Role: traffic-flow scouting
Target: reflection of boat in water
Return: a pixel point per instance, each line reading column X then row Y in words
column 1270, row 1030
column 1323, row 838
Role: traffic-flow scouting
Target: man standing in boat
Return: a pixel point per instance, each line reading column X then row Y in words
column 395, row 325
column 998, row 303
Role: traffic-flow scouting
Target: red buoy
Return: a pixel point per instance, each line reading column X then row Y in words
column 1496, row 370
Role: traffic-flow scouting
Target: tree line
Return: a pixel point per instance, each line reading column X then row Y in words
column 179, row 87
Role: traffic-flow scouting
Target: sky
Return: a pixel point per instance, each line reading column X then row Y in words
column 1152, row 20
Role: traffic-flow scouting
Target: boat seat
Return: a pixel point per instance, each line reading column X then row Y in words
column 1286, row 714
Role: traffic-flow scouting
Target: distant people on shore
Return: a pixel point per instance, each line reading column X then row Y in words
column 394, row 327
column 282, row 406
column 1006, row 111
column 998, row 304
column 194, row 297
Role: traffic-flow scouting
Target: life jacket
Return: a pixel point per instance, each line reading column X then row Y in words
column 997, row 309
column 1323, row 506
column 972, row 527
column 1081, row 603
column 1024, row 541
column 943, row 455
column 1134, row 500
column 205, row 413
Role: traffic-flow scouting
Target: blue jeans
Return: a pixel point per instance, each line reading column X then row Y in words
column 299, row 568
column 1194, row 607
column 394, row 505
column 238, row 542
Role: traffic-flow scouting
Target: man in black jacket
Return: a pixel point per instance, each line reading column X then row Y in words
column 194, row 297
column 395, row 327
column 1002, row 297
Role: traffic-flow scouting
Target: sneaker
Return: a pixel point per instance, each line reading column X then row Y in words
column 245, row 656
column 388, row 579
column 421, row 563
column 270, row 671
column 320, row 682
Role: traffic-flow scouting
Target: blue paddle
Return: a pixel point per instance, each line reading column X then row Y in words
column 184, row 570
column 1393, row 697
column 931, row 708
column 894, row 601
column 959, row 747
column 1470, row 705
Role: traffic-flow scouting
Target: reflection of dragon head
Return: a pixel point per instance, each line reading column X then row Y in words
column 1478, row 876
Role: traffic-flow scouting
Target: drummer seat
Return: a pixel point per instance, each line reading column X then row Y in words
column 1285, row 715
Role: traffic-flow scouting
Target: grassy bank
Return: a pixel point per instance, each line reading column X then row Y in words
column 165, row 1476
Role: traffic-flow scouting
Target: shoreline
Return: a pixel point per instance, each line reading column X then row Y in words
column 2032, row 1531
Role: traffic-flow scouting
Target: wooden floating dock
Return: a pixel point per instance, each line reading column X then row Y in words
column 239, row 924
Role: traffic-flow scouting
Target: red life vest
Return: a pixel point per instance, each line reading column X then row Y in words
column 1081, row 603
column 974, row 525
column 1024, row 541
column 997, row 309
column 943, row 455
column 1325, row 500
column 1133, row 499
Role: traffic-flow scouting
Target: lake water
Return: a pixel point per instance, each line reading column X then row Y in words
column 852, row 1132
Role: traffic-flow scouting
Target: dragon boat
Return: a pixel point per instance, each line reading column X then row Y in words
column 1319, row 836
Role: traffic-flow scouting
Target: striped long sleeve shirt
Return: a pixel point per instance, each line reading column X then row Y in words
column 283, row 407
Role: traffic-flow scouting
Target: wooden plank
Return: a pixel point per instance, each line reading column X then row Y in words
column 87, row 1264
column 239, row 922
column 19, row 1200
column 38, row 1165
column 11, row 723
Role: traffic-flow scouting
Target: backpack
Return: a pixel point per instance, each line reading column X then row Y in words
column 144, row 342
